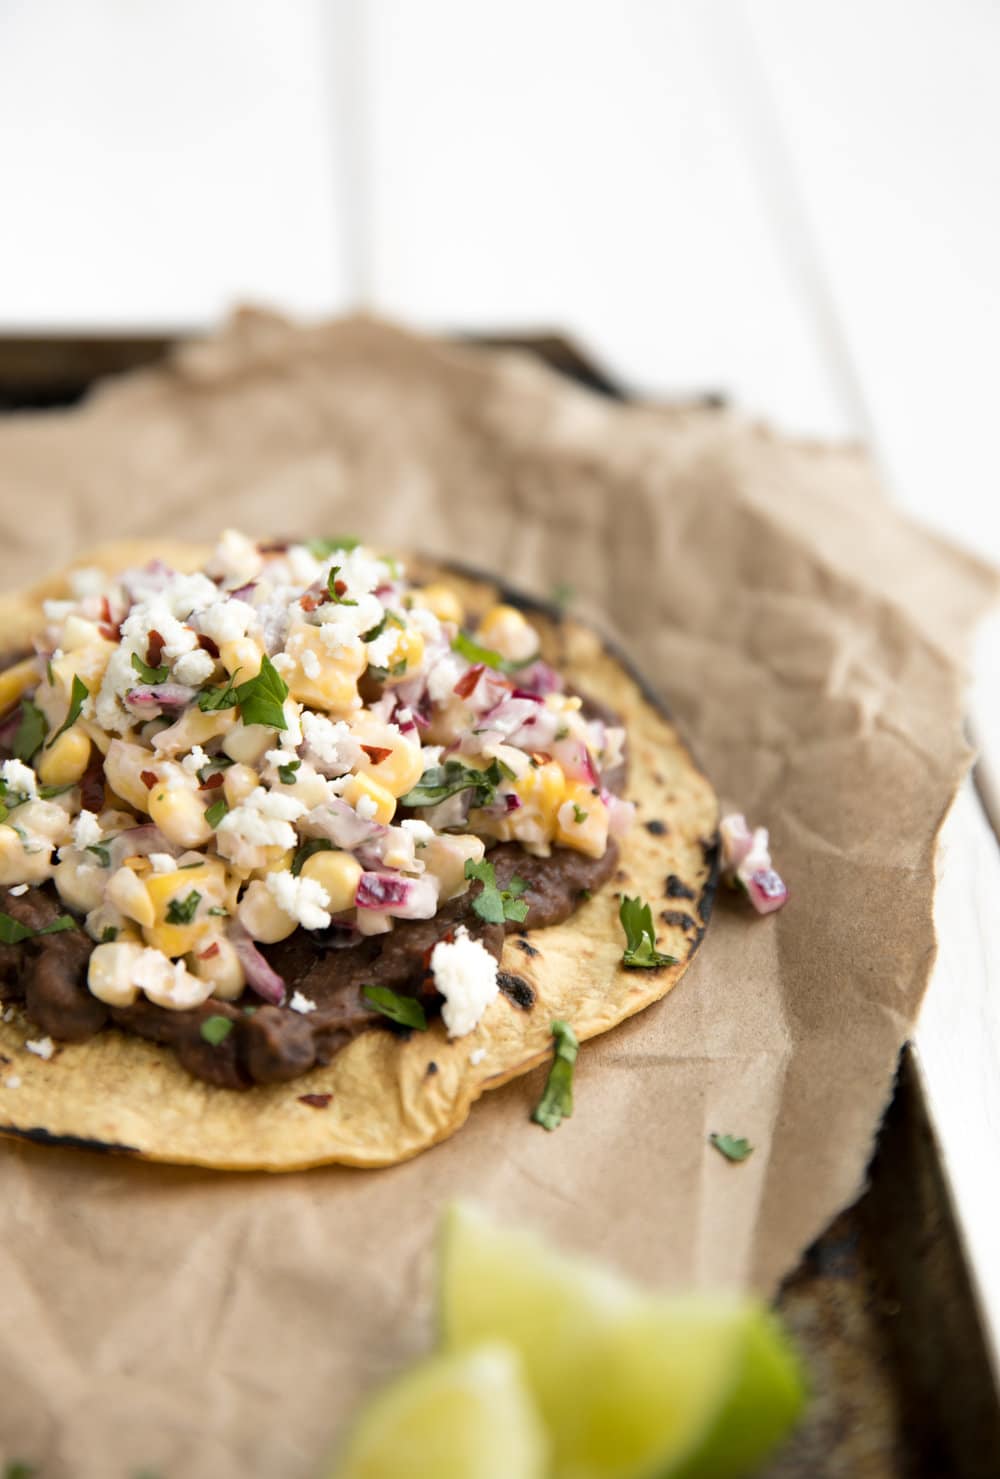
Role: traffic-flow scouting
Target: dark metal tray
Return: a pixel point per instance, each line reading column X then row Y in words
column 882, row 1305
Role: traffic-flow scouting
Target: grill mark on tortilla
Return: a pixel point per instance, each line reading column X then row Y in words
column 526, row 946
column 517, row 990
column 69, row 1142
column 431, row 1069
column 677, row 889
column 656, row 827
column 679, row 919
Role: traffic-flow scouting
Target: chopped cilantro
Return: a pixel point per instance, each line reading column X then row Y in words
column 182, row 911
column 442, row 781
column 322, row 549
column 305, row 852
column 493, row 903
column 215, row 1030
column 640, row 937
column 474, row 652
column 148, row 674
column 579, row 815
column 286, row 773
column 377, row 630
column 215, row 812
column 331, row 588
column 211, row 699
column 79, row 694
column 260, row 699
column 100, row 851
column 213, row 766
column 405, row 1010
column 109, row 934
column 48, row 792
column 219, row 911
column 31, row 731
column 556, row 1103
column 12, row 931
column 731, row 1146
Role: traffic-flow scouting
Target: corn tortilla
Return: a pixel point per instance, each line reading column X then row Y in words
column 118, row 1092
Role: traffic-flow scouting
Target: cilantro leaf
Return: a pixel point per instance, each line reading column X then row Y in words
column 442, row 781
column 109, row 934
column 212, row 699
column 182, row 911
column 474, row 652
column 305, row 852
column 640, row 937
column 148, row 674
column 556, row 1103
column 215, row 812
column 48, row 792
column 493, row 903
column 731, row 1146
column 100, row 851
column 579, row 815
column 331, row 589
column 215, row 1030
column 12, row 931
column 260, row 699
column 78, row 696
column 286, row 773
column 405, row 1010
column 322, row 549
column 31, row 731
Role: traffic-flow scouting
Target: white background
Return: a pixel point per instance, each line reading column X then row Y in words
column 791, row 201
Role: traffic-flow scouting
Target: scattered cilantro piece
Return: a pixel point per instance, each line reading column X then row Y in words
column 219, row 911
column 148, row 674
column 182, row 911
column 579, row 815
column 322, row 549
column 79, row 694
column 31, row 731
column 640, row 937
column 731, row 1146
column 215, row 1030
column 286, row 773
column 493, row 903
column 213, row 766
column 305, row 852
column 100, row 851
column 556, row 1103
column 474, row 652
column 12, row 931
column 331, row 589
column 260, row 699
column 211, row 699
column 215, row 812
column 48, row 792
column 405, row 1010
column 442, row 781
column 377, row 630
column 109, row 934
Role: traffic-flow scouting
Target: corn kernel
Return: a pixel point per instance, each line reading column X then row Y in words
column 442, row 601
column 408, row 648
column 64, row 762
column 124, row 765
column 261, row 917
column 365, row 785
column 130, row 896
column 216, row 961
column 331, row 681
column 110, row 972
column 582, row 821
column 398, row 771
column 17, row 680
column 247, row 743
column 339, row 873
column 505, row 630
column 80, row 885
column 238, row 782
column 18, row 866
column 209, row 880
column 243, row 654
column 542, row 791
column 180, row 815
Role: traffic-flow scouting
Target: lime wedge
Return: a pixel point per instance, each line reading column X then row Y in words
column 463, row 1416
column 630, row 1386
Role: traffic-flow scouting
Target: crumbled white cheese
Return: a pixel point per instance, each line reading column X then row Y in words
column 236, row 559
column 425, row 622
column 194, row 668
column 311, row 665
column 225, row 621
column 300, row 1003
column 365, row 808
column 465, row 973
column 18, row 890
column 12, row 1081
column 443, row 676
column 283, row 664
column 155, row 615
column 7, row 1015
column 86, row 830
column 20, row 778
column 42, row 1047
column 303, row 567
column 477, row 1057
column 331, row 743
column 56, row 612
column 263, row 819
column 305, row 899
column 421, row 832
column 87, row 581
column 193, row 762
column 380, row 651
column 162, row 862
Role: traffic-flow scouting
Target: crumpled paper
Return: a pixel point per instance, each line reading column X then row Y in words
column 809, row 641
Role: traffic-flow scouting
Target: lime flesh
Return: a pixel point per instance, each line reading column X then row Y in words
column 630, row 1386
column 462, row 1416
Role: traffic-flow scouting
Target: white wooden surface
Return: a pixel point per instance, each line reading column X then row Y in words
column 793, row 203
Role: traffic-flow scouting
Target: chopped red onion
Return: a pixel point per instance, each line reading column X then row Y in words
column 512, row 801
column 242, row 592
column 339, row 822
column 261, row 977
column 746, row 858
column 138, row 842
column 404, row 898
column 737, row 840
column 767, row 890
column 162, row 695
column 540, row 679
column 621, row 815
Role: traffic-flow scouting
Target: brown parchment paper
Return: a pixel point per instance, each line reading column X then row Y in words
column 809, row 642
